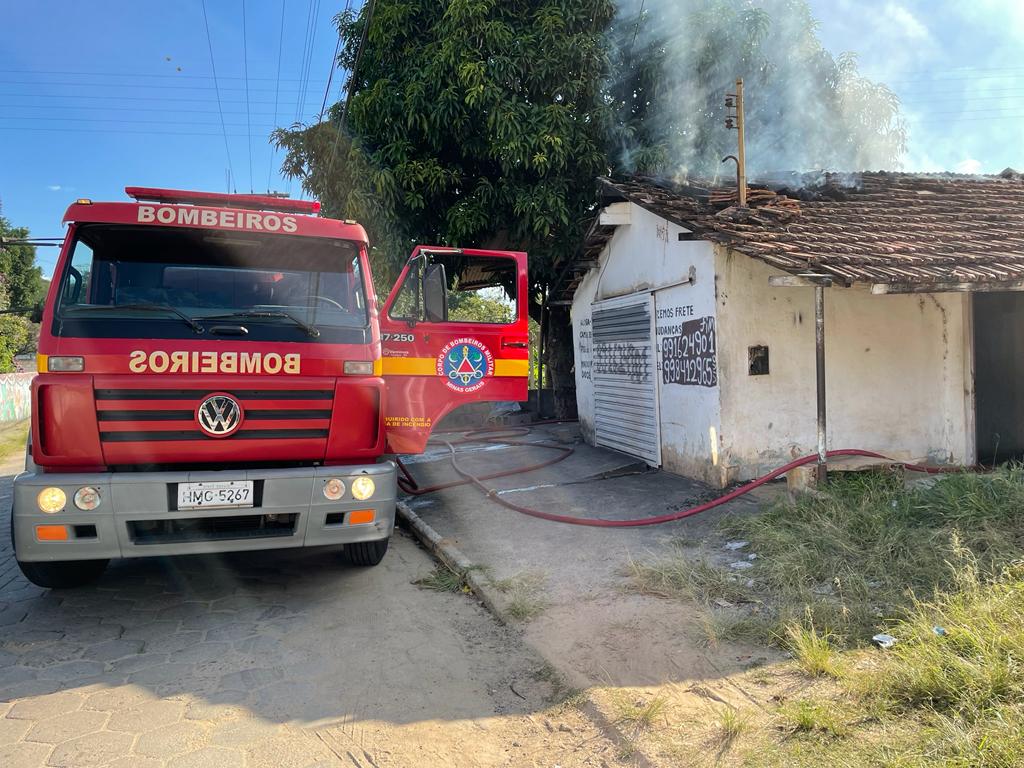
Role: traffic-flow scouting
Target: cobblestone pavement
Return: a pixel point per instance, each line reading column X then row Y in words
column 272, row 659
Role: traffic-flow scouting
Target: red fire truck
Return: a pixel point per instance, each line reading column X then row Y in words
column 215, row 375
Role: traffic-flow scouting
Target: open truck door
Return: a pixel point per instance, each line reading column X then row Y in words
column 453, row 331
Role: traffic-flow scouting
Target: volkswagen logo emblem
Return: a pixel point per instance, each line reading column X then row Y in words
column 219, row 415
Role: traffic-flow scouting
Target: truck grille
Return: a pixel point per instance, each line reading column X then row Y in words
column 210, row 528
column 159, row 415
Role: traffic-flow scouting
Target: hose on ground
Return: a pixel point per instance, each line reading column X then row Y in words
column 409, row 485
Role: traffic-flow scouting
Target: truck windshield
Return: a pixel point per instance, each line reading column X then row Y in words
column 176, row 282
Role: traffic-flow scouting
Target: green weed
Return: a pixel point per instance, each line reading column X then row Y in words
column 813, row 651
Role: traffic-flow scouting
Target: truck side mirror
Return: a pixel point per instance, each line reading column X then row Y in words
column 36, row 314
column 435, row 294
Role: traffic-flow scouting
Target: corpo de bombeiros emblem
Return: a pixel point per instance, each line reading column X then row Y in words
column 219, row 415
column 465, row 364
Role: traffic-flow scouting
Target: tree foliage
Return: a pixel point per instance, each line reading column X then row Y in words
column 21, row 285
column 485, row 122
column 471, row 121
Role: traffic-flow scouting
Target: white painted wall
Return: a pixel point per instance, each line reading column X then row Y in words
column 895, row 371
column 646, row 256
column 898, row 374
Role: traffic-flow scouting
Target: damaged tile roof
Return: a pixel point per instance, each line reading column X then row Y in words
column 903, row 230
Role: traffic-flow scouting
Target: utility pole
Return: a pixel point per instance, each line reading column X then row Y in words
column 734, row 101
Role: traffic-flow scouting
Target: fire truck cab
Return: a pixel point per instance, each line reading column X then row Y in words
column 216, row 375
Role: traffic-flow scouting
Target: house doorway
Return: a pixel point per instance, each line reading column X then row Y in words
column 999, row 375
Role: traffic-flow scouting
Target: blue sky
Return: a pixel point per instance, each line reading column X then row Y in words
column 155, row 120
column 956, row 66
column 97, row 96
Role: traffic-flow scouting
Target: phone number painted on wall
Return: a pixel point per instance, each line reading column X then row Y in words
column 690, row 357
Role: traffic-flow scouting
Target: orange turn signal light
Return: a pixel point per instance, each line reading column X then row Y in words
column 52, row 532
column 361, row 517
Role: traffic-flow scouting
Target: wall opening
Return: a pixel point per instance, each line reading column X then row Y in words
column 999, row 375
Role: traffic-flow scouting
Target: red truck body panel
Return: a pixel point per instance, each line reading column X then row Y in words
column 136, row 400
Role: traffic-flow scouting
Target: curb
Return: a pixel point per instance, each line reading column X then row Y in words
column 445, row 551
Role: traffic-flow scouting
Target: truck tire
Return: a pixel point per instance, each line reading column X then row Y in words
column 366, row 552
column 66, row 574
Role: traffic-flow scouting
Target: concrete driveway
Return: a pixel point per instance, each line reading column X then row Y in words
column 274, row 659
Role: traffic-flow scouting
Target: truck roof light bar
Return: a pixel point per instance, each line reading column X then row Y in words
column 249, row 202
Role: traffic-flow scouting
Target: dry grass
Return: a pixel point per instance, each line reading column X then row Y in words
column 678, row 576
column 638, row 714
column 731, row 725
column 525, row 593
column 444, row 579
column 871, row 556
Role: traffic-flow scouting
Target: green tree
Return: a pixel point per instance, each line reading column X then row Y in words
column 470, row 122
column 675, row 61
column 21, row 286
column 484, row 122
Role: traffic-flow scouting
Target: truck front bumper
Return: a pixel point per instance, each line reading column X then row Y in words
column 138, row 515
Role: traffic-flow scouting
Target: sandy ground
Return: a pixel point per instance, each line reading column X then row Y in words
column 273, row 659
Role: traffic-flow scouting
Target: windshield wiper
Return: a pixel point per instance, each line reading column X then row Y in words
column 310, row 330
column 196, row 327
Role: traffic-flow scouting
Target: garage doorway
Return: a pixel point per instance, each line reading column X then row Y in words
column 999, row 375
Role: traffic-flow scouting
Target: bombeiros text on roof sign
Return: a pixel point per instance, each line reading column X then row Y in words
column 253, row 221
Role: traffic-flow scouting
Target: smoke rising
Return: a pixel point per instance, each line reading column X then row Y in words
column 674, row 61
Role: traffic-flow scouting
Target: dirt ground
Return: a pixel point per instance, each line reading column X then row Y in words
column 274, row 659
column 645, row 662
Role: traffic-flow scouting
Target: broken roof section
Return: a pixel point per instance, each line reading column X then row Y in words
column 898, row 232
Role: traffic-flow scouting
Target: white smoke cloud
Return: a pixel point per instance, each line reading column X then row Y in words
column 803, row 111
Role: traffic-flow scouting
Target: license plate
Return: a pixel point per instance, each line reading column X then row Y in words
column 220, row 494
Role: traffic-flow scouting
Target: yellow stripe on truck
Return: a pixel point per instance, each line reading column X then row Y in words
column 427, row 366
column 41, row 363
column 511, row 367
column 410, row 366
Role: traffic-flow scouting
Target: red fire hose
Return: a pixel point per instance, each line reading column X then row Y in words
column 409, row 485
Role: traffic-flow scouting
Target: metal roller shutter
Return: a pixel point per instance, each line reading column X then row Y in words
column 625, row 387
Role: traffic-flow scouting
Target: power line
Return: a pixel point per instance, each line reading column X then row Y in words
column 145, row 86
column 105, row 108
column 224, row 130
column 327, row 89
column 302, row 62
column 343, row 119
column 334, row 64
column 36, row 118
column 277, row 90
column 130, row 74
column 160, row 99
column 245, row 70
column 107, row 132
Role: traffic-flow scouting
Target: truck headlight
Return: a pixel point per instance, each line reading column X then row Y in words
column 358, row 367
column 334, row 489
column 87, row 498
column 65, row 364
column 51, row 500
column 363, row 487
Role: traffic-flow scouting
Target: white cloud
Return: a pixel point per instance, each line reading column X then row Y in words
column 897, row 18
column 970, row 165
column 55, row 187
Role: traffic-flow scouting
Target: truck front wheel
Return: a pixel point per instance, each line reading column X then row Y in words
column 65, row 574
column 366, row 552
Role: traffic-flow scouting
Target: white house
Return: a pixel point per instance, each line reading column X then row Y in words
column 694, row 322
